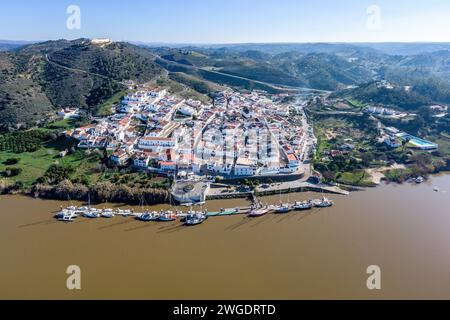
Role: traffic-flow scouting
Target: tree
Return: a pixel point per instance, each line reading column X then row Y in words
column 329, row 175
column 11, row 161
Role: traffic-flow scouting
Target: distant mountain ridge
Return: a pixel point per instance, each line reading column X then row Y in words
column 390, row 48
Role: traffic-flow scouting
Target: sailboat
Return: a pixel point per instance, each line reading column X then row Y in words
column 91, row 213
column 108, row 213
column 282, row 208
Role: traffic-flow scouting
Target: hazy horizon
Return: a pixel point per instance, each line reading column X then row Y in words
column 226, row 43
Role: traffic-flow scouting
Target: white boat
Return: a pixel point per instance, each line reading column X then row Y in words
column 420, row 180
column 108, row 213
column 283, row 208
column 258, row 212
column 69, row 217
column 304, row 205
column 436, row 189
column 195, row 219
column 62, row 213
column 91, row 214
column 323, row 203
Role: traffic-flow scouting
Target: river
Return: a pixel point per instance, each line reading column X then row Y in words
column 323, row 254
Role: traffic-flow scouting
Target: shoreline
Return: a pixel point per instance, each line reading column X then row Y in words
column 158, row 201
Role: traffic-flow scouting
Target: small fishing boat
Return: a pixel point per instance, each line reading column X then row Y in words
column 420, row 180
column 195, row 219
column 283, row 208
column 92, row 214
column 258, row 212
column 148, row 216
column 62, row 213
column 69, row 217
column 323, row 203
column 108, row 213
column 304, row 205
column 436, row 189
column 167, row 217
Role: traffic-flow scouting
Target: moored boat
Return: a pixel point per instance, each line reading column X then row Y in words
column 304, row 205
column 108, row 213
column 323, row 203
column 258, row 212
column 68, row 217
column 81, row 210
column 167, row 216
column 195, row 219
column 89, row 212
column 62, row 213
column 283, row 208
column 92, row 214
column 147, row 216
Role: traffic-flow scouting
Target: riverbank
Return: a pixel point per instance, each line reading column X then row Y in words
column 99, row 193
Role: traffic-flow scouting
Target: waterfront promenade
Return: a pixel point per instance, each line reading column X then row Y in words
column 278, row 188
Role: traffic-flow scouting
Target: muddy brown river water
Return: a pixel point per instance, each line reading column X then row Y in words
column 321, row 254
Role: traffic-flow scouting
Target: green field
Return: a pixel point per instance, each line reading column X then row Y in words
column 65, row 124
column 105, row 108
column 356, row 178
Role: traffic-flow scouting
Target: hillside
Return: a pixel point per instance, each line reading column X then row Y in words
column 37, row 79
column 324, row 71
column 23, row 101
column 373, row 93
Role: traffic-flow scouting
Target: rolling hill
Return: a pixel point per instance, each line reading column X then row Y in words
column 37, row 79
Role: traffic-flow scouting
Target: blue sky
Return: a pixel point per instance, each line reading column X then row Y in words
column 229, row 21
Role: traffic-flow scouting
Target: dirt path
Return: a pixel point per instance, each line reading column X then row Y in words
column 378, row 174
